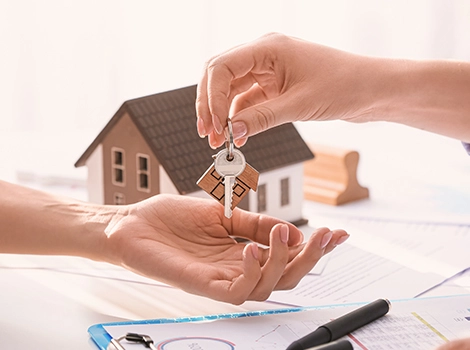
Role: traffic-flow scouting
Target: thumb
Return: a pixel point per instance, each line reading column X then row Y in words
column 260, row 117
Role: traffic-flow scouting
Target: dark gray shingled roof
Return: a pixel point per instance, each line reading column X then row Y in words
column 167, row 122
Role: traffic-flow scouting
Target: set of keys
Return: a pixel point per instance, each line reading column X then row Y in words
column 229, row 178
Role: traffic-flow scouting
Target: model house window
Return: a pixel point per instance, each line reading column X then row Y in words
column 284, row 191
column 118, row 168
column 143, row 172
column 119, row 198
column 261, row 198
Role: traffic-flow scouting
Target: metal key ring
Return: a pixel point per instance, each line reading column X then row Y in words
column 229, row 139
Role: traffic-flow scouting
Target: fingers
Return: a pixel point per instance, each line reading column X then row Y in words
column 242, row 286
column 248, row 72
column 249, row 97
column 273, row 269
column 279, row 267
column 216, row 140
column 257, row 227
column 215, row 88
column 339, row 237
column 320, row 243
column 204, row 117
column 255, row 118
column 244, row 97
column 256, row 282
column 258, row 116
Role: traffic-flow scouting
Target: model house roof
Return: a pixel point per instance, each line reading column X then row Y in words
column 167, row 122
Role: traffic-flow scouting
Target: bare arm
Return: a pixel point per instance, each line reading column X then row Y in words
column 429, row 95
column 35, row 222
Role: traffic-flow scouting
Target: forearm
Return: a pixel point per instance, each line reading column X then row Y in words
column 429, row 95
column 34, row 222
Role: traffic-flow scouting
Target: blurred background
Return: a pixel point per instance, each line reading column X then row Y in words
column 66, row 67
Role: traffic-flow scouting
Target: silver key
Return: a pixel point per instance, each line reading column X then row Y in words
column 229, row 169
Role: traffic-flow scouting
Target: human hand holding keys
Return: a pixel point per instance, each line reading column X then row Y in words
column 229, row 165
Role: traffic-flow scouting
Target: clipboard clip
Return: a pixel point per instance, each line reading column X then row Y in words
column 143, row 339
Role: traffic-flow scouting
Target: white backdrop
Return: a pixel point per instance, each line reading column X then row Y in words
column 66, row 66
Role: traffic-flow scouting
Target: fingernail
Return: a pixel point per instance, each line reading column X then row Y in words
column 239, row 129
column 342, row 239
column 284, row 233
column 254, row 251
column 326, row 239
column 212, row 143
column 240, row 142
column 201, row 128
column 218, row 127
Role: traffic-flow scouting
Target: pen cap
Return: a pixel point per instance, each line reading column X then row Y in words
column 357, row 318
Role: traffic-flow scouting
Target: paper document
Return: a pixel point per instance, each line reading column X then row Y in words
column 383, row 259
column 410, row 324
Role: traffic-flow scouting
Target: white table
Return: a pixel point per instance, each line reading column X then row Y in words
column 46, row 308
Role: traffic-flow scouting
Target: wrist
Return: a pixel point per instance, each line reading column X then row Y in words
column 350, row 86
column 395, row 89
column 371, row 89
column 90, row 229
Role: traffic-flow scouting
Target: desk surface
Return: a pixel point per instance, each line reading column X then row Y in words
column 53, row 309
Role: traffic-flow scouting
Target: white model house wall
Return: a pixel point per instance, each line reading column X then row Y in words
column 272, row 180
column 95, row 179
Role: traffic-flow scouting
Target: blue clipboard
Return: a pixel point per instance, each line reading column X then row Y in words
column 102, row 338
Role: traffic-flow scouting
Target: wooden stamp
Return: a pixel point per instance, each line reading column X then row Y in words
column 331, row 177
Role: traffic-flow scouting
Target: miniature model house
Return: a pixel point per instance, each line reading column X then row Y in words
column 151, row 146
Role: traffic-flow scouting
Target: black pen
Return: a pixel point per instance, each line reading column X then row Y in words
column 343, row 325
column 335, row 345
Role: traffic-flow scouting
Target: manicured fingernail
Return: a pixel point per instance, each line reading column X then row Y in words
column 212, row 143
column 326, row 239
column 342, row 239
column 240, row 142
column 239, row 129
column 254, row 251
column 218, row 127
column 201, row 129
column 284, row 233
